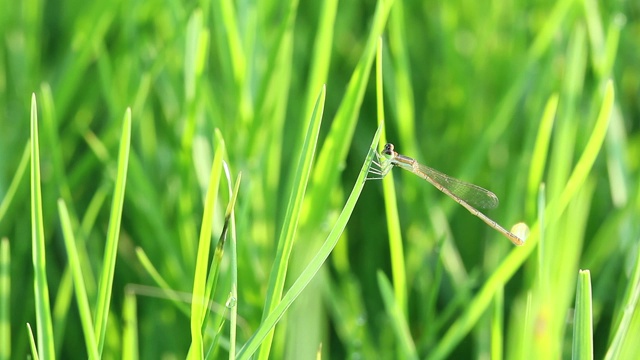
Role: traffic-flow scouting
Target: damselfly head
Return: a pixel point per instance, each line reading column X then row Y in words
column 389, row 150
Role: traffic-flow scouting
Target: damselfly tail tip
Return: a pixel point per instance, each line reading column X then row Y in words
column 521, row 230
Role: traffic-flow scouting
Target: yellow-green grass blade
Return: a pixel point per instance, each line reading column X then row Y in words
column 5, row 300
column 541, row 150
column 130, row 342
column 497, row 326
column 43, row 308
column 235, row 59
column 583, row 319
column 113, row 234
column 78, row 282
column 32, row 343
column 198, row 306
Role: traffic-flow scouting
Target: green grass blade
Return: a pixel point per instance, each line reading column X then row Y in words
column 50, row 128
column 5, row 300
column 517, row 257
column 322, row 50
column 78, row 282
column 541, row 253
column 396, row 248
column 314, row 265
column 583, row 323
column 146, row 263
column 236, row 58
column 588, row 157
column 214, row 271
column 32, row 343
column 541, row 149
column 196, row 50
column 401, row 91
column 198, row 306
column 497, row 326
column 505, row 95
column 233, row 294
column 15, row 182
column 397, row 318
column 113, row 235
column 504, row 113
column 623, row 344
column 290, row 225
column 130, row 344
column 558, row 260
column 75, row 68
column 336, row 145
column 567, row 122
column 43, row 307
column 553, row 22
column 62, row 305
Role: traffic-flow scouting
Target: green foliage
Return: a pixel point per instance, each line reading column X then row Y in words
column 192, row 179
column 583, row 328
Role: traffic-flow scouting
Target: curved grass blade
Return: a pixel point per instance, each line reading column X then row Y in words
column 292, row 215
column 314, row 265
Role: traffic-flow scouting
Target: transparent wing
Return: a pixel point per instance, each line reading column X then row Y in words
column 472, row 194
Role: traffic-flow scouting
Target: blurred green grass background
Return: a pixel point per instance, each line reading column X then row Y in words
column 538, row 102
